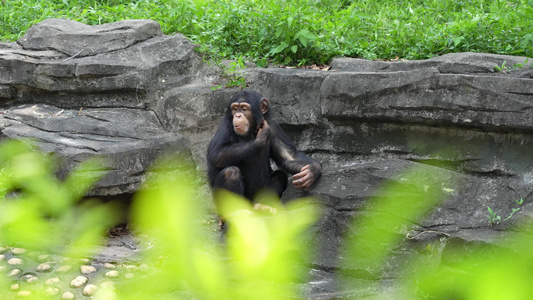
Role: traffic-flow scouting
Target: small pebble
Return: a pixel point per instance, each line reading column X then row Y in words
column 23, row 294
column 3, row 268
column 14, row 273
column 68, row 296
column 79, row 281
column 112, row 274
column 64, row 269
column 15, row 261
column 51, row 281
column 144, row 267
column 109, row 266
column 18, row 251
column 85, row 261
column 51, row 291
column 30, row 278
column 2, row 249
column 87, row 269
column 89, row 290
column 43, row 257
column 131, row 267
column 15, row 287
column 129, row 276
column 44, row 267
column 2, row 257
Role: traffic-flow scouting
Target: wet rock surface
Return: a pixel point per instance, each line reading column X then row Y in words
column 145, row 93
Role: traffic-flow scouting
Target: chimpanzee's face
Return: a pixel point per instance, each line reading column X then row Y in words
column 242, row 117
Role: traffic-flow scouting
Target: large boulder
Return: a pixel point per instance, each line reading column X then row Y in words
column 81, row 91
column 454, row 116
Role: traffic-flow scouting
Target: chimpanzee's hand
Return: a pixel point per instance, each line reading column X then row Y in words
column 263, row 133
column 305, row 178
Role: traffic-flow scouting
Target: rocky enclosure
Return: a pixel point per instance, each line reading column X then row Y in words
column 127, row 92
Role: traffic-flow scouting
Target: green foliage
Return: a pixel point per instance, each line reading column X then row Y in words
column 495, row 218
column 299, row 32
column 231, row 73
column 36, row 208
column 262, row 255
column 408, row 198
column 259, row 258
column 503, row 68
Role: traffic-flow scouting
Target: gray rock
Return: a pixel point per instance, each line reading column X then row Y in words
column 129, row 139
column 77, row 39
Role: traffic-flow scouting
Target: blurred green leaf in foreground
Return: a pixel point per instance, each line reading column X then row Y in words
column 37, row 210
column 257, row 260
column 261, row 255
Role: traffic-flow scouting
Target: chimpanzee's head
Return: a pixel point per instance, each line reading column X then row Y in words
column 248, row 109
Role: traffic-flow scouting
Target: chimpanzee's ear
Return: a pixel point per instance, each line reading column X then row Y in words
column 264, row 105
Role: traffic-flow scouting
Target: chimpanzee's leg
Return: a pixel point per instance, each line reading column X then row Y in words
column 230, row 178
column 278, row 182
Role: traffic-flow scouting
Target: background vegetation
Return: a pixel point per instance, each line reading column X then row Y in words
column 306, row 31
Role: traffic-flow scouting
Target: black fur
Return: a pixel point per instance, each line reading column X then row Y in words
column 242, row 164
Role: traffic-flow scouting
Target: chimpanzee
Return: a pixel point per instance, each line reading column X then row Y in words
column 239, row 153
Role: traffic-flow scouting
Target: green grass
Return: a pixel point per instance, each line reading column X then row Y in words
column 305, row 32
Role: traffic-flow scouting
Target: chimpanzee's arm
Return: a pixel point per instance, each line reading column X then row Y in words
column 233, row 154
column 306, row 170
column 224, row 151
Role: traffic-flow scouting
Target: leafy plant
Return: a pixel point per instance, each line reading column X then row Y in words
column 503, row 68
column 262, row 255
column 35, row 203
column 303, row 32
column 232, row 74
column 494, row 218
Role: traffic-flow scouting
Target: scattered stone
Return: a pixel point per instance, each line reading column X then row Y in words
column 131, row 267
column 89, row 290
column 2, row 249
column 2, row 257
column 43, row 257
column 44, row 267
column 129, row 276
column 15, row 261
column 51, row 281
column 68, row 296
column 51, row 291
column 14, row 273
column 144, row 267
column 87, row 269
column 23, row 294
column 79, row 281
column 18, row 251
column 30, row 278
column 85, row 261
column 15, row 287
column 64, row 269
column 112, row 274
column 3, row 268
column 110, row 266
